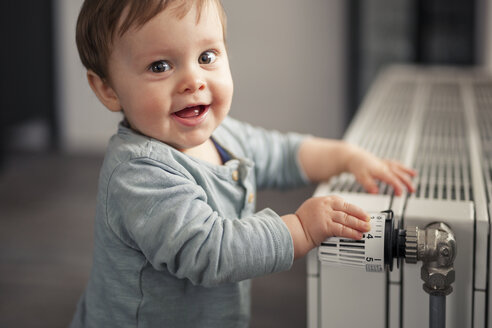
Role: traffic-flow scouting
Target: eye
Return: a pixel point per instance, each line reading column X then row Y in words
column 207, row 57
column 160, row 66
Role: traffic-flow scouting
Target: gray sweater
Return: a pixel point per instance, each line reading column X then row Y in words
column 177, row 238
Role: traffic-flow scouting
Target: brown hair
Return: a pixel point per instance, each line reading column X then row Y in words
column 99, row 22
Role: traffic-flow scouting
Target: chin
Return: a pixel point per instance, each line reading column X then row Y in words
column 193, row 142
column 198, row 137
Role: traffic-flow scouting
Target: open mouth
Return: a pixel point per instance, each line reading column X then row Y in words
column 192, row 115
column 191, row 112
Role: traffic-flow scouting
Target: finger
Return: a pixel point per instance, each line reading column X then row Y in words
column 403, row 174
column 397, row 166
column 341, row 230
column 368, row 183
column 406, row 180
column 341, row 205
column 351, row 221
column 390, row 178
column 407, row 170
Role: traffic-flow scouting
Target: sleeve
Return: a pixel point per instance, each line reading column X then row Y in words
column 275, row 155
column 165, row 215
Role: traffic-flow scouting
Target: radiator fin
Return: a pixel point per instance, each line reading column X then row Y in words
column 442, row 158
column 442, row 155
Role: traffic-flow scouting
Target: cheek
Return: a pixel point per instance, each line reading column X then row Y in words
column 147, row 101
column 146, row 109
column 224, row 89
column 152, row 111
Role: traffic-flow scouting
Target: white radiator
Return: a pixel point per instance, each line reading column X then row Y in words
column 437, row 120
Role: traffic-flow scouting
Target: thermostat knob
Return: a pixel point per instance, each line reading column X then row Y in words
column 373, row 253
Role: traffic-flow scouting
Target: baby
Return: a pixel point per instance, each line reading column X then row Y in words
column 177, row 236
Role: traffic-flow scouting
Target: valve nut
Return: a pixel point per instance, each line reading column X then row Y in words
column 437, row 281
column 411, row 244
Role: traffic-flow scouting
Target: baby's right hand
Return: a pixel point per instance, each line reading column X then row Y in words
column 328, row 216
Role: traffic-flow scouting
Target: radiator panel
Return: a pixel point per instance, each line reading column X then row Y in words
column 459, row 217
column 335, row 282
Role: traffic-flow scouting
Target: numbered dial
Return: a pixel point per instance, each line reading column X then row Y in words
column 369, row 254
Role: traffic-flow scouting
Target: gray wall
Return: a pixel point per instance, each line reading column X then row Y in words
column 484, row 33
column 487, row 36
column 287, row 60
column 85, row 124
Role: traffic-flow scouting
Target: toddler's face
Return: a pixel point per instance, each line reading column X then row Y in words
column 172, row 77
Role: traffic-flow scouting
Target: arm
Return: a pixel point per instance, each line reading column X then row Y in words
column 166, row 216
column 273, row 153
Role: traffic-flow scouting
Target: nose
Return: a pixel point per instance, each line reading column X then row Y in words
column 191, row 81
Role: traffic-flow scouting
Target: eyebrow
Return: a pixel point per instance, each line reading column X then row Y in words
column 156, row 53
column 212, row 40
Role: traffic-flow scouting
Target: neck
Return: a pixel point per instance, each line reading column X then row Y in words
column 206, row 152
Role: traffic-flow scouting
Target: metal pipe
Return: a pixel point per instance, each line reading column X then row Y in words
column 436, row 247
column 437, row 311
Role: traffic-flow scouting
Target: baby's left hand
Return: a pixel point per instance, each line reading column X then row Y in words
column 367, row 168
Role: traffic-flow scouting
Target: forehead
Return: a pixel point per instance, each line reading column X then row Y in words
column 168, row 33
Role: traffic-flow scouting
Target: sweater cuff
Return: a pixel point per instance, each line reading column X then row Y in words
column 283, row 244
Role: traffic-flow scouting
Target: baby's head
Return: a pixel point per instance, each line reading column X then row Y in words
column 101, row 21
column 162, row 62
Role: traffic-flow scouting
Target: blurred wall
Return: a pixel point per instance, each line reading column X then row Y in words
column 487, row 36
column 288, row 63
column 287, row 60
column 85, row 124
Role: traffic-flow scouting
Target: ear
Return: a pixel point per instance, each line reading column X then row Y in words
column 104, row 91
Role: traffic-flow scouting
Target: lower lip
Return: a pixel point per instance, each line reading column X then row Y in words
column 192, row 121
